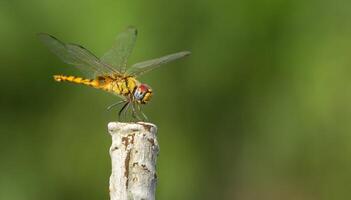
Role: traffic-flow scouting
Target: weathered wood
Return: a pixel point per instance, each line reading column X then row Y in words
column 133, row 154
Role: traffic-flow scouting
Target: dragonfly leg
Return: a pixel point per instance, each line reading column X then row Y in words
column 144, row 116
column 115, row 104
column 134, row 112
column 126, row 110
column 122, row 109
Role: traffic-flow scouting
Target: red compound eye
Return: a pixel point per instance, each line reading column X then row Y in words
column 143, row 88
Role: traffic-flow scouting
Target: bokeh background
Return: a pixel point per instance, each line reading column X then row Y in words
column 260, row 110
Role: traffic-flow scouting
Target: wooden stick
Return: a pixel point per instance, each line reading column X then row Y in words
column 133, row 154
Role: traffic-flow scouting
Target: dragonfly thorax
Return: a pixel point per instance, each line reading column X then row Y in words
column 143, row 93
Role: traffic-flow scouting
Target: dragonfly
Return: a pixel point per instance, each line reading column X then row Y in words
column 111, row 72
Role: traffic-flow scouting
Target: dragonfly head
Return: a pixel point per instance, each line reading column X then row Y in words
column 143, row 93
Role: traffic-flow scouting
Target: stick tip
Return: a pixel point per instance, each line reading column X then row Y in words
column 114, row 127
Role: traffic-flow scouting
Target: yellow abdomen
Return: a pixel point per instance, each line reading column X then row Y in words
column 79, row 80
column 116, row 84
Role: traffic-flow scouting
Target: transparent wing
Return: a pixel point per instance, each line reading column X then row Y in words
column 118, row 55
column 143, row 67
column 75, row 55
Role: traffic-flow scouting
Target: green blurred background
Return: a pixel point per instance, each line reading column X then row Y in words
column 260, row 110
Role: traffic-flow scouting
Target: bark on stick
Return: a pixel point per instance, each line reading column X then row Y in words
column 133, row 154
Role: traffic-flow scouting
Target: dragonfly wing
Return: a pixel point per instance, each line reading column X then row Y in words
column 143, row 67
column 75, row 55
column 118, row 55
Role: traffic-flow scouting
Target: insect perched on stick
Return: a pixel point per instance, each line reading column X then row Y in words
column 111, row 71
